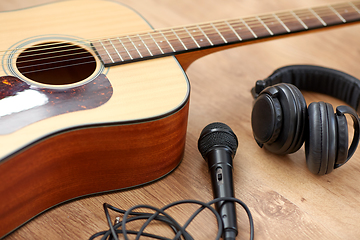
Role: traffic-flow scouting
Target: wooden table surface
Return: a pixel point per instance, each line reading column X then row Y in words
column 286, row 200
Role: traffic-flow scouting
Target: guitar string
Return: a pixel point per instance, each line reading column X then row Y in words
column 220, row 28
column 56, row 62
column 306, row 13
column 72, row 60
column 63, row 66
column 248, row 20
column 220, row 25
column 189, row 37
column 186, row 40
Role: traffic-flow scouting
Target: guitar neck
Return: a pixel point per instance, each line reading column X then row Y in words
column 178, row 40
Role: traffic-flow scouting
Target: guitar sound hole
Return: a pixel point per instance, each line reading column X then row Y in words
column 56, row 63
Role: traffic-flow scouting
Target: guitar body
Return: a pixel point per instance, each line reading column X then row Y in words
column 110, row 129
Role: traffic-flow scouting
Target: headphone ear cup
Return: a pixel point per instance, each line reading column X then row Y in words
column 343, row 140
column 321, row 142
column 279, row 118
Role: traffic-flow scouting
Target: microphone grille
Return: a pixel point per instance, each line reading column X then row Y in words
column 217, row 134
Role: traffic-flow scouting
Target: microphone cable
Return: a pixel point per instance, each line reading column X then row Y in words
column 119, row 227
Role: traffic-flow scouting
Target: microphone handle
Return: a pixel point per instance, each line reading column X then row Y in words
column 220, row 165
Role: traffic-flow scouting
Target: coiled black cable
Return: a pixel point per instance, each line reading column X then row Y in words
column 162, row 216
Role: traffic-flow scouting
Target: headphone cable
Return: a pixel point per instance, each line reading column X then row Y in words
column 160, row 215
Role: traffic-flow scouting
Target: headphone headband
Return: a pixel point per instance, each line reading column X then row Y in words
column 317, row 79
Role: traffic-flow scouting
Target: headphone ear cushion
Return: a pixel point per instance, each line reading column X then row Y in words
column 321, row 142
column 343, row 141
column 302, row 116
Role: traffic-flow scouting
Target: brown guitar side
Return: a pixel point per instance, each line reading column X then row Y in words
column 78, row 162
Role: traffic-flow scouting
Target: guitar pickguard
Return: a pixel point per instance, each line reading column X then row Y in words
column 22, row 104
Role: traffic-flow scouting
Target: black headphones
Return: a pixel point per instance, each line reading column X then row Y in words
column 281, row 121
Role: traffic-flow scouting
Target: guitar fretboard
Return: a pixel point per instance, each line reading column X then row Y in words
column 172, row 41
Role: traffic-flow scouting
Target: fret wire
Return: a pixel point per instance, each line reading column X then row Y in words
column 145, row 45
column 252, row 32
column 281, row 22
column 168, row 42
column 167, row 38
column 125, row 49
column 250, row 25
column 106, row 51
column 250, row 20
column 116, row 50
column 208, row 28
column 135, row 46
column 130, row 50
column 156, row 43
column 295, row 15
column 192, row 37
column 205, row 35
column 352, row 7
column 237, row 35
column 302, row 23
column 187, row 39
column 337, row 14
column 356, row 9
column 321, row 10
column 259, row 19
column 304, row 12
column 179, row 39
column 254, row 25
column 163, row 39
column 219, row 33
column 226, row 25
column 317, row 16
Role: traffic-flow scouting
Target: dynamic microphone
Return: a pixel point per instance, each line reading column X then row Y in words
column 217, row 144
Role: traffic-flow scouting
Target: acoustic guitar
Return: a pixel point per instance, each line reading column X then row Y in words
column 85, row 109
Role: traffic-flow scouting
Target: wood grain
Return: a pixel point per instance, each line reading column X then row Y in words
column 287, row 201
